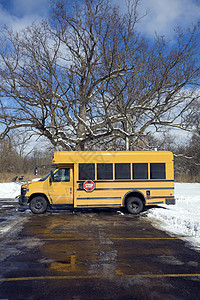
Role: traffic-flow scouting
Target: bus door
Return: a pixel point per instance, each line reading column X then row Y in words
column 61, row 186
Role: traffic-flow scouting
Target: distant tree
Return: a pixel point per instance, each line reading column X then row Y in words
column 192, row 118
column 16, row 162
column 87, row 79
column 187, row 160
column 9, row 158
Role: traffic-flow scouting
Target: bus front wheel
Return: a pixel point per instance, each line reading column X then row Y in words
column 38, row 205
column 134, row 205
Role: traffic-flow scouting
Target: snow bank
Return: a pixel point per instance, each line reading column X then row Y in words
column 12, row 189
column 182, row 219
column 9, row 190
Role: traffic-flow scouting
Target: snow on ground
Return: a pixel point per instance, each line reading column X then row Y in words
column 182, row 219
column 12, row 189
column 9, row 190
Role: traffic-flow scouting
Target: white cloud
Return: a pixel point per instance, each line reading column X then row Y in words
column 23, row 12
column 5, row 17
column 163, row 16
column 166, row 15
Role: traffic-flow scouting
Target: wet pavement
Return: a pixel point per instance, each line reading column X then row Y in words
column 101, row 254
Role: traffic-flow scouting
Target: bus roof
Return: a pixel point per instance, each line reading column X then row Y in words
column 71, row 157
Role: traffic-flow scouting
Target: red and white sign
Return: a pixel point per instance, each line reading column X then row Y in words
column 89, row 186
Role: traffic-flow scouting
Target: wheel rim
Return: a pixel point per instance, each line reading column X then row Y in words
column 38, row 204
column 133, row 206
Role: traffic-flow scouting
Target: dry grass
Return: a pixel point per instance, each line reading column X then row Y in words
column 7, row 177
column 187, row 178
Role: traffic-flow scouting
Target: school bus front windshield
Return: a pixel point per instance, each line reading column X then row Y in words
column 45, row 177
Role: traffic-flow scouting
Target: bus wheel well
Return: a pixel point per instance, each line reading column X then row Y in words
column 38, row 194
column 134, row 194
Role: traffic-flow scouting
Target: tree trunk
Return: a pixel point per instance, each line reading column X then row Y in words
column 81, row 128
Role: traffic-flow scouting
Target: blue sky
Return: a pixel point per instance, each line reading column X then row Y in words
column 20, row 13
column 163, row 15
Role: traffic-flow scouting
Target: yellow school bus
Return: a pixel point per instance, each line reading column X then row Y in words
column 83, row 179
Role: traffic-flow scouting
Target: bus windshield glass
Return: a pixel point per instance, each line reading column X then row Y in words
column 44, row 178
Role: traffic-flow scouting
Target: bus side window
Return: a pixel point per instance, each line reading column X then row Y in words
column 140, row 171
column 157, row 171
column 122, row 171
column 86, row 171
column 105, row 171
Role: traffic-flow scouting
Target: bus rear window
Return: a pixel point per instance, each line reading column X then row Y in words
column 86, row 171
column 157, row 171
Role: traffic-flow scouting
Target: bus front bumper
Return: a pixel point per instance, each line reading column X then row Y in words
column 170, row 201
column 22, row 200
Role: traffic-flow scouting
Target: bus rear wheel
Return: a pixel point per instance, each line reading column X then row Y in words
column 38, row 205
column 134, row 205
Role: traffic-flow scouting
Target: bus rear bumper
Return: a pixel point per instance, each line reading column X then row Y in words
column 170, row 201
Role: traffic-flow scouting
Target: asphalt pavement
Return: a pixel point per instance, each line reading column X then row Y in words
column 92, row 254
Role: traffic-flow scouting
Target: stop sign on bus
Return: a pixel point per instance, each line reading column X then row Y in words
column 89, row 186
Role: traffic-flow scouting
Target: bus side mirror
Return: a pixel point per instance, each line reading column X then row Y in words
column 51, row 178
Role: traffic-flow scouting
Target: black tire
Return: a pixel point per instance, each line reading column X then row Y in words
column 134, row 205
column 38, row 205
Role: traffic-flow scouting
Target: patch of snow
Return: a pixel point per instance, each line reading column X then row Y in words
column 35, row 179
column 12, row 189
column 9, row 190
column 183, row 218
column 120, row 212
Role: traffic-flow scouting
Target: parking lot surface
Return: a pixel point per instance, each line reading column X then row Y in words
column 101, row 254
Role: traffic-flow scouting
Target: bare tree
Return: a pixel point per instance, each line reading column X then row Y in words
column 88, row 78
column 192, row 117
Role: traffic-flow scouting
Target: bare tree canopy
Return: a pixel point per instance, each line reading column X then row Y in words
column 86, row 79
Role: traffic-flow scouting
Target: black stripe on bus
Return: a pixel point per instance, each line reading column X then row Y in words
column 161, row 197
column 100, row 205
column 162, row 202
column 123, row 181
column 130, row 188
column 98, row 198
column 105, row 198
